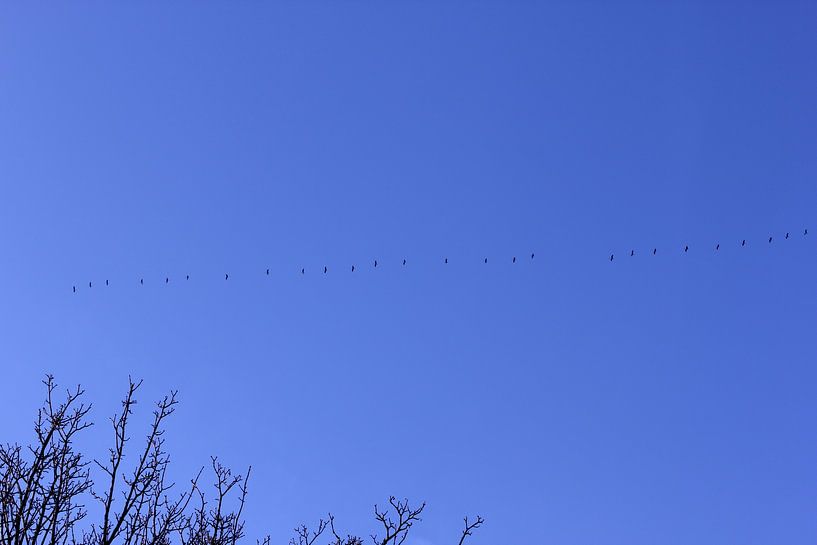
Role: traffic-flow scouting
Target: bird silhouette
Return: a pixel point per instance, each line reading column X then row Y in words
column 404, row 262
column 375, row 263
column 302, row 271
column 226, row 276
column 805, row 232
column 267, row 272
column 632, row 253
column 106, row 281
column 611, row 257
column 770, row 240
column 446, row 260
column 514, row 259
column 654, row 250
column 75, row 288
column 486, row 260
column 743, row 243
column 187, row 277
column 686, row 248
column 531, row 256
column 717, row 246
column 90, row 285
column 324, row 270
column 353, row 268
column 167, row 280
column 787, row 236
column 141, row 281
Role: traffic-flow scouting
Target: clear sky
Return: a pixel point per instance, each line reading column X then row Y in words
column 569, row 400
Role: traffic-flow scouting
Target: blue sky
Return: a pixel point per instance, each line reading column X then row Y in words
column 656, row 399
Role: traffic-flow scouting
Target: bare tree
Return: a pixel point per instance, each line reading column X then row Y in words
column 42, row 499
column 44, row 487
column 396, row 522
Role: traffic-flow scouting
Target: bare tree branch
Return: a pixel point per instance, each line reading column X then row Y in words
column 470, row 527
column 43, row 489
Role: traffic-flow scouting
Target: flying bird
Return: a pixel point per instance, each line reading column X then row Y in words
column 75, row 288
column 324, row 270
column 654, row 250
column 267, row 272
column 743, row 243
column 805, row 232
column 686, row 248
column 446, row 260
column 226, row 276
column 632, row 253
column 611, row 257
column 787, row 236
column 187, row 277
column 353, row 268
column 514, row 259
column 486, row 260
column 89, row 285
column 141, row 281
column 717, row 246
column 106, row 281
column 404, row 262
column 531, row 256
column 302, row 271
column 375, row 263
column 770, row 239
column 167, row 280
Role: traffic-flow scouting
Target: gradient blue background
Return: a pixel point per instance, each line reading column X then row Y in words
column 668, row 399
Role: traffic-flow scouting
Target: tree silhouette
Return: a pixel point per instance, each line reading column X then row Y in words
column 45, row 486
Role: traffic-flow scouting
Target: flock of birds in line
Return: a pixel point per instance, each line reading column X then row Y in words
column 303, row 271
column 717, row 246
column 445, row 261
